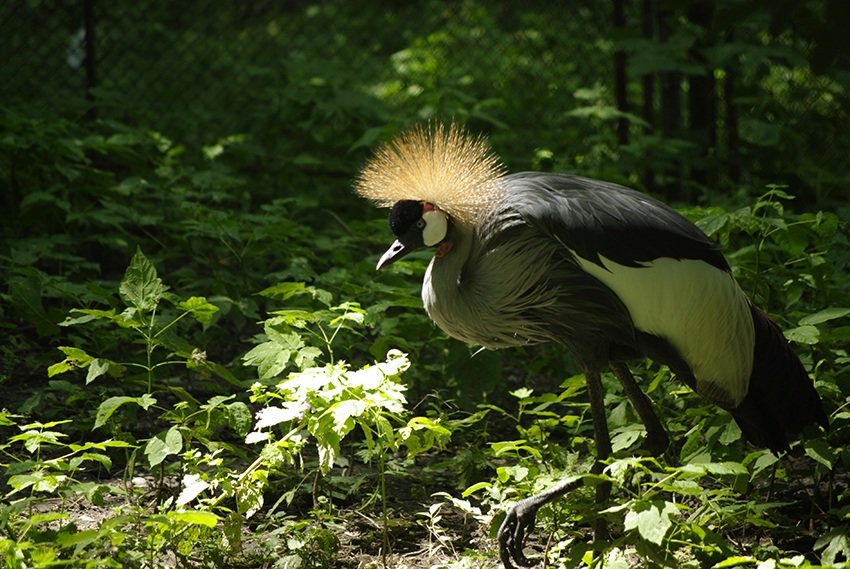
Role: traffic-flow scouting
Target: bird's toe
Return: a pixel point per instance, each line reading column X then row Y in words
column 512, row 534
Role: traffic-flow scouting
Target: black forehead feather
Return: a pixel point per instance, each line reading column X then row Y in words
column 404, row 214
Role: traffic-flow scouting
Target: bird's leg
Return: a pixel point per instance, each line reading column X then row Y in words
column 521, row 517
column 656, row 436
column 603, row 444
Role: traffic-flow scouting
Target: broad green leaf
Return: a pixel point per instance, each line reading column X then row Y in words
column 289, row 411
column 195, row 517
column 307, row 356
column 476, row 487
column 38, row 481
column 625, row 438
column 344, row 412
column 88, row 315
column 232, row 529
column 163, row 445
column 835, row 545
column 98, row 457
column 652, row 521
column 807, row 334
column 718, row 468
column 270, row 358
column 239, row 418
column 283, row 291
column 193, row 485
column 75, row 358
column 822, row 452
column 824, row 315
column 522, row 393
column 765, row 460
column 108, row 407
column 735, row 561
column 60, row 367
column 517, row 472
column 141, row 288
column 201, row 310
column 78, row 538
column 97, row 368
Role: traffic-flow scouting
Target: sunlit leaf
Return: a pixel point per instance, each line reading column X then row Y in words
column 163, row 445
column 195, row 517
column 201, row 310
column 652, row 520
column 824, row 315
column 141, row 288
column 803, row 335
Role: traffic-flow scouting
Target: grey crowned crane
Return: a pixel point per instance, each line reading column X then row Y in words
column 610, row 273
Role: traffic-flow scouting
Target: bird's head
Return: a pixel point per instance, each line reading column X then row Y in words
column 433, row 179
column 416, row 224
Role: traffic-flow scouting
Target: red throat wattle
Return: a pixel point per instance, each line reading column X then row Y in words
column 443, row 249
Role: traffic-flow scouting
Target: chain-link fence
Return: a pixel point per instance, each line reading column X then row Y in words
column 198, row 70
column 209, row 59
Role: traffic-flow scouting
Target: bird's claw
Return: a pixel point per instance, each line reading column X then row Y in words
column 512, row 535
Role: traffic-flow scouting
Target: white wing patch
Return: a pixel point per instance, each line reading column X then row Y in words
column 696, row 307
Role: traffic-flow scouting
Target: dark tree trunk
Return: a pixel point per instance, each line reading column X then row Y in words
column 91, row 58
column 620, row 80
column 702, row 102
column 671, row 109
column 671, row 98
column 647, row 25
column 647, row 17
column 731, row 117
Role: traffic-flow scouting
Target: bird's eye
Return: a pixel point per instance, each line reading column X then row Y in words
column 420, row 224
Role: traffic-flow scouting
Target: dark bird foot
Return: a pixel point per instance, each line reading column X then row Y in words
column 512, row 533
column 520, row 520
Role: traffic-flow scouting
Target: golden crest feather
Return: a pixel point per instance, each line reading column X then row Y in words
column 447, row 167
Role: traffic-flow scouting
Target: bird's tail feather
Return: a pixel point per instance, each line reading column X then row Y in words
column 781, row 400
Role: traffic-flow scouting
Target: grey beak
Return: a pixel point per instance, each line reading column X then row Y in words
column 396, row 251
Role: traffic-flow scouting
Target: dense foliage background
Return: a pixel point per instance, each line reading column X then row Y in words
column 201, row 368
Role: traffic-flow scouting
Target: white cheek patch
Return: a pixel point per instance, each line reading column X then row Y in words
column 436, row 226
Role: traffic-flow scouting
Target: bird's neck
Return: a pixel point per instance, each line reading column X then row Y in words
column 440, row 288
column 447, row 265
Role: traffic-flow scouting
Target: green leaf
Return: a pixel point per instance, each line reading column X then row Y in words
column 820, row 451
column 108, row 407
column 270, row 358
column 835, row 545
column 522, row 393
column 735, row 561
column 98, row 457
column 283, row 291
column 239, row 418
column 201, row 310
column 141, row 288
column 193, row 485
column 718, row 468
column 824, row 315
column 97, row 368
column 195, row 517
column 652, row 521
column 75, row 359
column 88, row 315
column 807, row 334
column 163, row 445
column 307, row 356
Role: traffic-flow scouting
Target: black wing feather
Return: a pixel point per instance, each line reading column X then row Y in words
column 596, row 218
